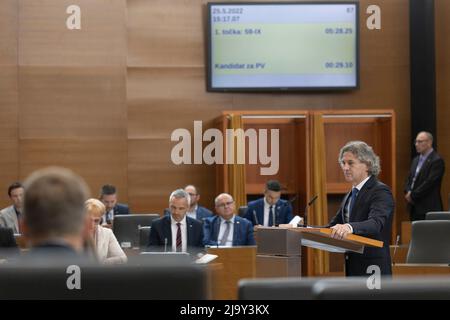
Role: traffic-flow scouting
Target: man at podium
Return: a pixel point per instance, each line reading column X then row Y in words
column 367, row 210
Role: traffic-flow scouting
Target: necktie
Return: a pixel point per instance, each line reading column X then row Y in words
column 223, row 241
column 271, row 216
column 353, row 199
column 179, row 247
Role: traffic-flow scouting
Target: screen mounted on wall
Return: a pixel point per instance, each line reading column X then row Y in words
column 282, row 46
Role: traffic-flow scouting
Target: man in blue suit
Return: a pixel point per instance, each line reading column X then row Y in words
column 269, row 210
column 176, row 232
column 108, row 196
column 227, row 229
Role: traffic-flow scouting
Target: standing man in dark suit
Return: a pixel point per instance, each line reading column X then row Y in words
column 176, row 232
column 367, row 210
column 226, row 228
column 108, row 196
column 269, row 210
column 423, row 186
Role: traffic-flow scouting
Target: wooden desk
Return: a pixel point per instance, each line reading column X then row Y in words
column 400, row 254
column 238, row 263
column 420, row 269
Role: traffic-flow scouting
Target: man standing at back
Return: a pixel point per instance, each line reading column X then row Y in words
column 269, row 210
column 108, row 196
column 423, row 186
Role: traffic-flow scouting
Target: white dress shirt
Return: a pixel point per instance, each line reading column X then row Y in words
column 193, row 214
column 174, row 227
column 222, row 228
column 359, row 187
column 267, row 212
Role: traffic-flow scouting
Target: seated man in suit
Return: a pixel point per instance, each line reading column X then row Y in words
column 108, row 196
column 269, row 210
column 226, row 228
column 176, row 232
column 10, row 216
column 54, row 221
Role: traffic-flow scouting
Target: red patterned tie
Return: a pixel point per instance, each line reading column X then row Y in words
column 179, row 247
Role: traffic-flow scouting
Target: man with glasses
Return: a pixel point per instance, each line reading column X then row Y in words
column 227, row 229
column 423, row 186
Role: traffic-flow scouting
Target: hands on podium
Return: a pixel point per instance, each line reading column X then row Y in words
column 340, row 231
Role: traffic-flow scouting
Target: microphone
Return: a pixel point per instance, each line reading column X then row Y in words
column 165, row 244
column 255, row 217
column 395, row 249
column 305, row 217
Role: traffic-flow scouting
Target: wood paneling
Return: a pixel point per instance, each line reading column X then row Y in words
column 442, row 29
column 166, row 33
column 44, row 39
column 72, row 102
column 9, row 161
column 98, row 161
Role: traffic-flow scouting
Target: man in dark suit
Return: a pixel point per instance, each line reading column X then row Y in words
column 423, row 186
column 366, row 211
column 269, row 210
column 108, row 195
column 55, row 221
column 176, row 232
column 227, row 229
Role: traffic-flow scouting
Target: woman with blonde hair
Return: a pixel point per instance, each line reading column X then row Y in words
column 106, row 246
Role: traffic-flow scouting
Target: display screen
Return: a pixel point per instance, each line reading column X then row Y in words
column 282, row 46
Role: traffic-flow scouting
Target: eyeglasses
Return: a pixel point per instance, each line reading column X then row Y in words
column 223, row 205
column 193, row 194
column 419, row 141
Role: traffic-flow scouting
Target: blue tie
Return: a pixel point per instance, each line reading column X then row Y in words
column 354, row 195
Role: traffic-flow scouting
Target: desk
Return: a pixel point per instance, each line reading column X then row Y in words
column 420, row 269
column 238, row 263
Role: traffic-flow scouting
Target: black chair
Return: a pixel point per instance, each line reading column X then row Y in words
column 276, row 289
column 242, row 210
column 438, row 215
column 126, row 227
column 144, row 236
column 390, row 289
column 125, row 282
column 430, row 242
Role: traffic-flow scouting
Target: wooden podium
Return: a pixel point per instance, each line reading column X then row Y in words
column 278, row 252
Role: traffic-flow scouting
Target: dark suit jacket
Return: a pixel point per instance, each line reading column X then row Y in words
column 8, row 245
column 161, row 230
column 121, row 208
column 242, row 234
column 371, row 217
column 426, row 193
column 202, row 213
column 283, row 211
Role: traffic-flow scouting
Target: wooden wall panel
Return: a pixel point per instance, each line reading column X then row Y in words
column 45, row 40
column 72, row 102
column 9, row 170
column 166, row 33
column 152, row 176
column 442, row 28
column 98, row 161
